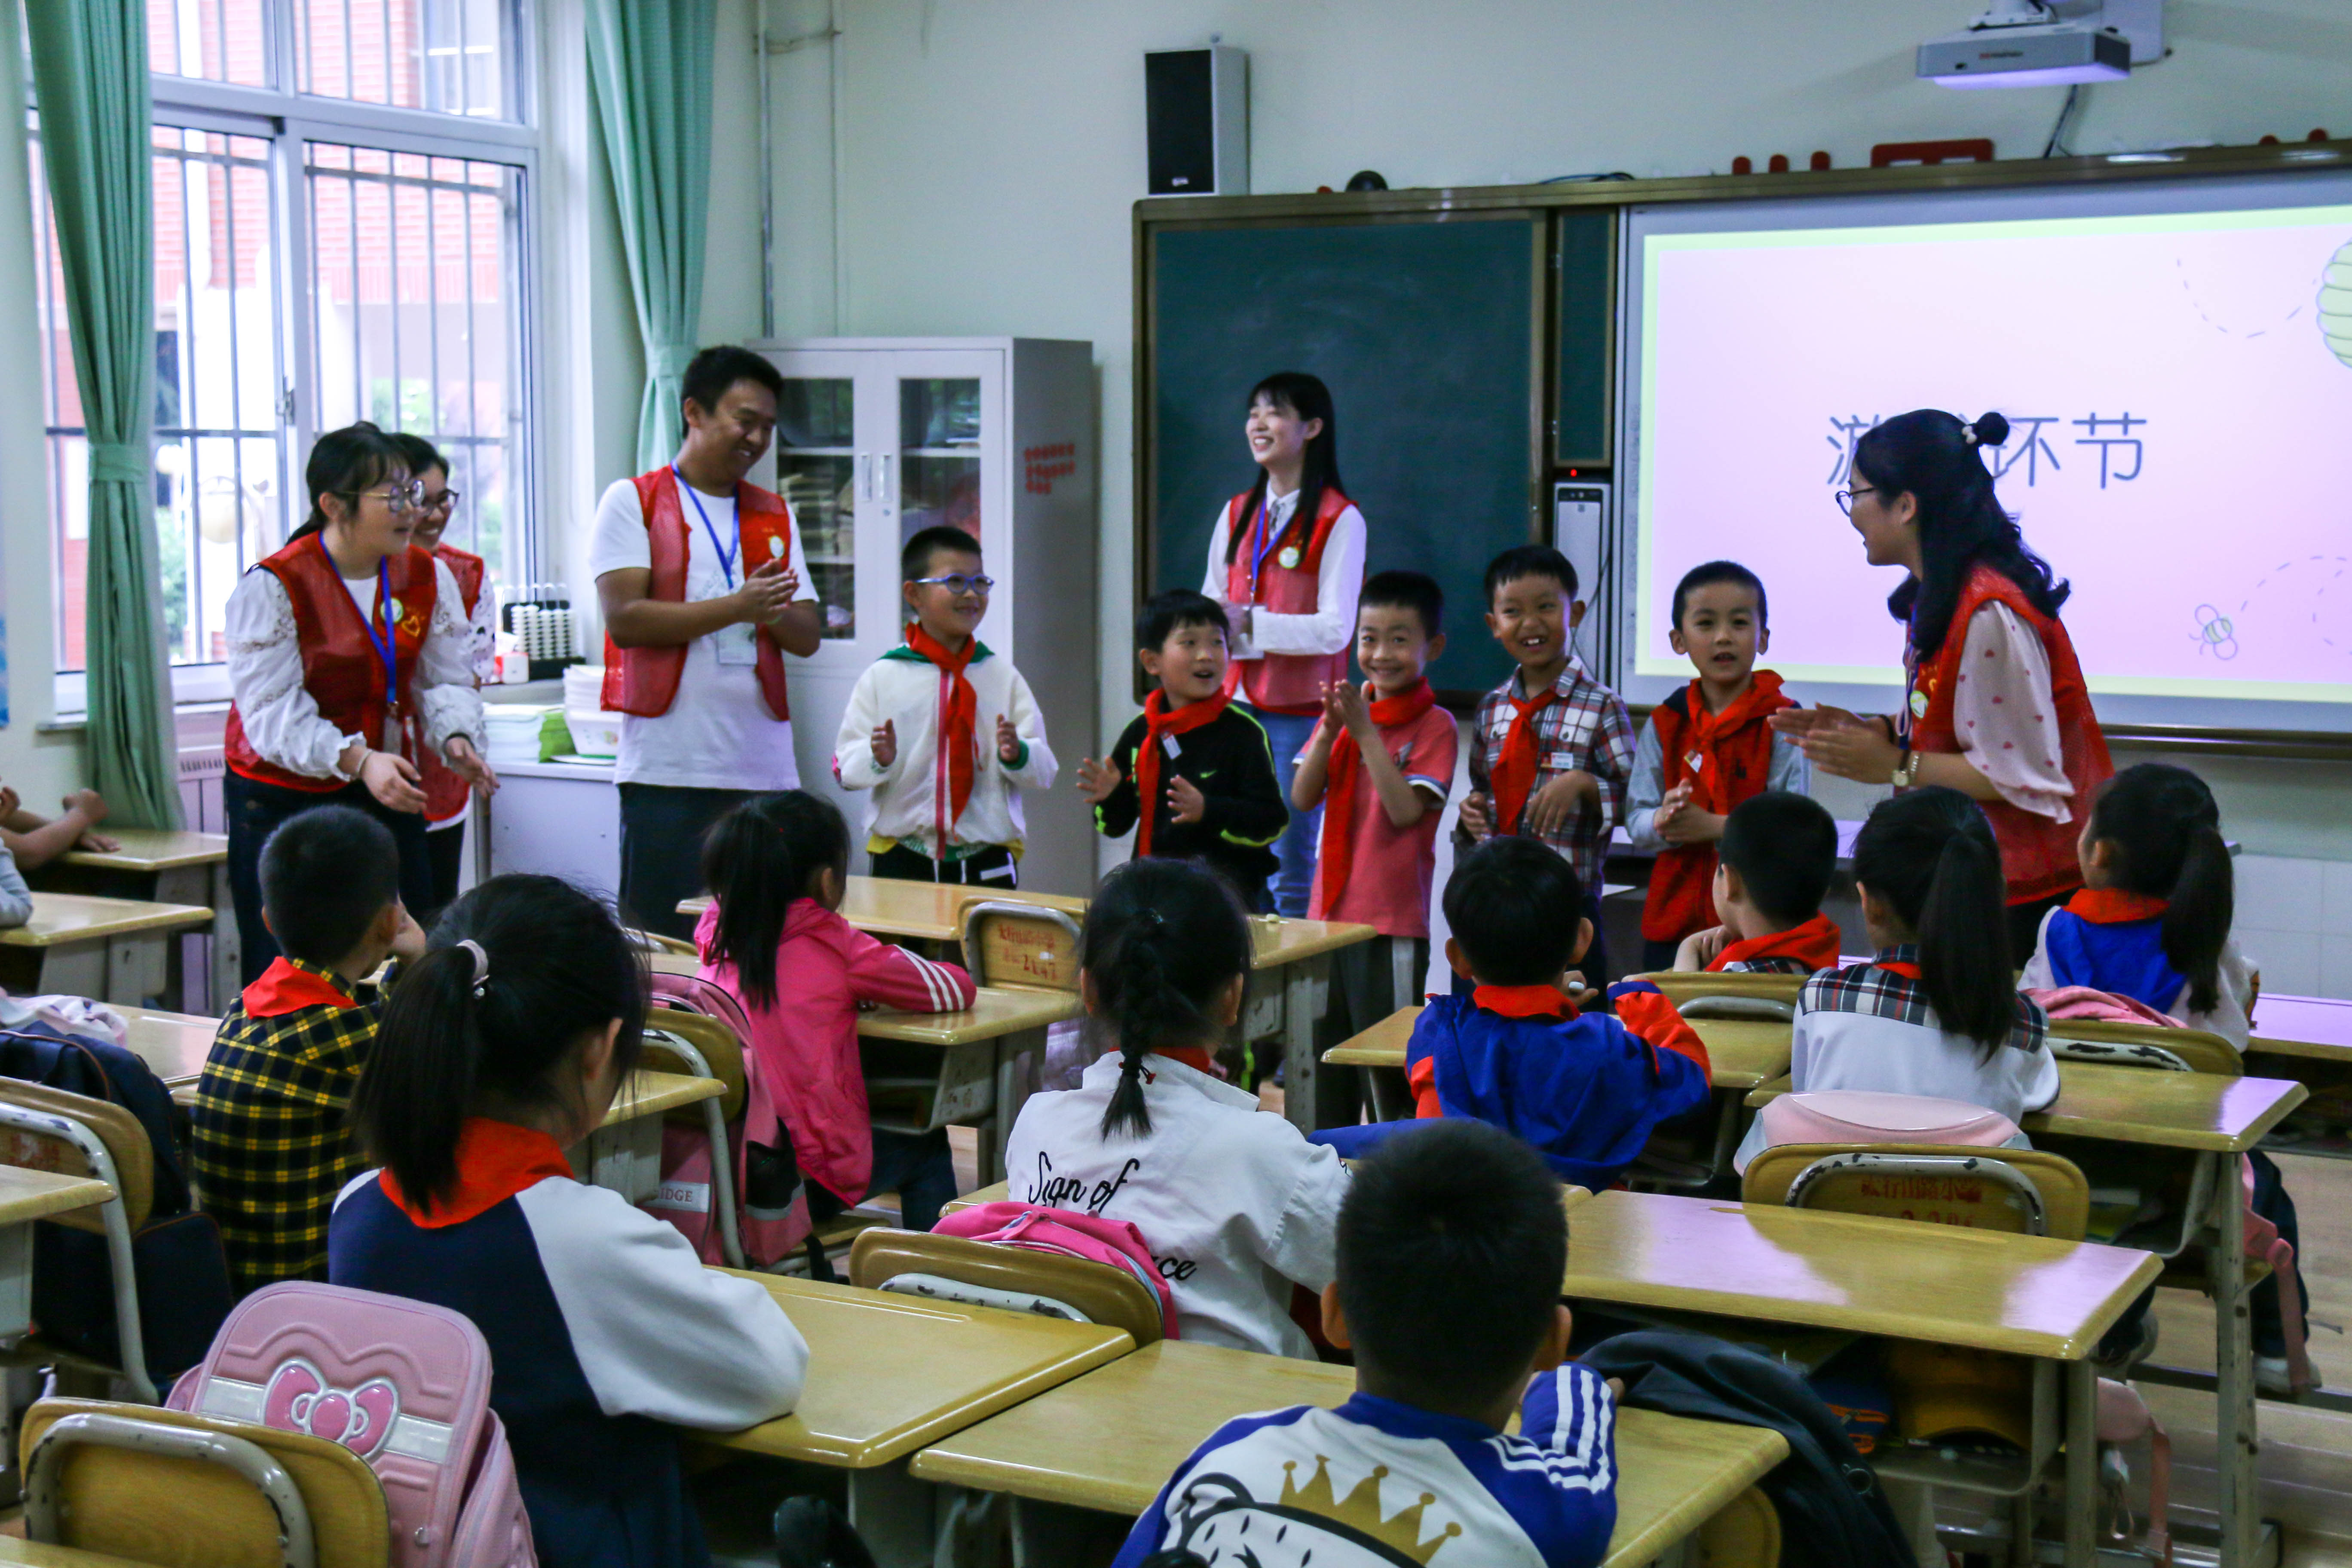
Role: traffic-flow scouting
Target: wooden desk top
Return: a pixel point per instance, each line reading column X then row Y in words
column 1744, row 1052
column 175, row 1044
column 2206, row 1111
column 26, row 1195
column 62, row 918
column 1279, row 942
column 151, row 849
column 920, row 911
column 1110, row 1440
column 994, row 1011
column 2026, row 1295
column 2303, row 1027
column 889, row 1373
column 652, row 1093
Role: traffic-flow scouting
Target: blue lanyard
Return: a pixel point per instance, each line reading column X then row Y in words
column 384, row 644
column 726, row 556
column 1265, row 538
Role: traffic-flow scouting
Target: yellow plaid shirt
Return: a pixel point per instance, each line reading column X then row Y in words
column 271, row 1147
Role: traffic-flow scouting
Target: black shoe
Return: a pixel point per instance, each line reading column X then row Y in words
column 812, row 1534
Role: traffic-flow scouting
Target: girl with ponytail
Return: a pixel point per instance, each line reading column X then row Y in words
column 773, row 938
column 2152, row 921
column 499, row 1051
column 1937, row 1010
column 1995, row 705
column 1235, row 1205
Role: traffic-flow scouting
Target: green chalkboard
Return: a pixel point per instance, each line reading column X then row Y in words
column 1586, row 333
column 1429, row 335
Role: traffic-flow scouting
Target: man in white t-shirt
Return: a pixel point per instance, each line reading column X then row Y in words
column 704, row 588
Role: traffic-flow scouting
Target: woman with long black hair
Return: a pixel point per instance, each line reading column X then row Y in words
column 349, row 658
column 1287, row 560
column 1994, row 704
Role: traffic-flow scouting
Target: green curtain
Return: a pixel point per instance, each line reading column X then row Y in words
column 649, row 62
column 89, row 75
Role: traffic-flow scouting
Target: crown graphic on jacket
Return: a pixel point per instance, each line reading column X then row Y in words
column 1361, row 1510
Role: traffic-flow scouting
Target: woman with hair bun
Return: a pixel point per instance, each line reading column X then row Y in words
column 1994, row 702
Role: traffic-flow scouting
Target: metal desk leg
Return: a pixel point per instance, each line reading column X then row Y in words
column 1301, row 1073
column 894, row 1513
column 1020, row 1060
column 195, row 885
column 2238, row 1443
column 2081, row 1464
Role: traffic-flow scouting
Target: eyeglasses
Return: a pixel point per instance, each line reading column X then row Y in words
column 398, row 497
column 958, row 584
column 1846, row 497
column 446, row 502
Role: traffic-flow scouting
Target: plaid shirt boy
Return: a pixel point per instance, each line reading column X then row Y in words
column 1586, row 727
column 270, row 1148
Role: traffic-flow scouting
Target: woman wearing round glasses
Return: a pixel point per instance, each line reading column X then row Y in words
column 447, row 794
column 1994, row 704
column 349, row 659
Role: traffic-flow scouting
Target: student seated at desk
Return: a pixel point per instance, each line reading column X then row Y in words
column 1451, row 1248
column 776, row 866
column 502, row 1049
column 34, row 840
column 1586, row 1091
column 269, row 1145
column 15, row 898
column 1234, row 1204
column 1773, row 868
column 1937, row 1012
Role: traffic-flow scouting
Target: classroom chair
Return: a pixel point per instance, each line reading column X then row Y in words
column 1697, row 994
column 703, row 1047
column 654, row 941
column 45, row 1129
column 2021, row 1191
column 2144, row 1045
column 1744, row 1534
column 957, row 1269
column 181, row 1490
column 1020, row 946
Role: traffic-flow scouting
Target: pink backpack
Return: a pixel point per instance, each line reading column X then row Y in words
column 1069, row 1233
column 770, row 1223
column 404, row 1385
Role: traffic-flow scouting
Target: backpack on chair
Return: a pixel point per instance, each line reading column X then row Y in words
column 404, row 1385
column 771, row 1199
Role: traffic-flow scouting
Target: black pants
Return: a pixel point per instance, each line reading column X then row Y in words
column 992, row 867
column 445, row 850
column 256, row 810
column 917, row 1166
column 1658, row 956
column 661, row 851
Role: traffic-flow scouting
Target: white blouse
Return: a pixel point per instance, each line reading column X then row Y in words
column 2004, row 715
column 281, row 718
column 1330, row 627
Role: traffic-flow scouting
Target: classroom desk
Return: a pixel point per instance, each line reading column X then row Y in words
column 2215, row 1119
column 624, row 1153
column 980, row 1064
column 165, row 867
column 1295, row 956
column 2019, row 1295
column 1107, row 1441
column 26, row 1195
column 2309, row 1039
column 114, row 950
column 889, row 1373
column 175, row 1044
column 914, row 911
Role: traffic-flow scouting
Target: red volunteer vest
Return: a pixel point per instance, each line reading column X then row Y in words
column 1283, row 682
column 644, row 681
column 445, row 792
column 342, row 669
column 1727, row 757
column 2037, row 854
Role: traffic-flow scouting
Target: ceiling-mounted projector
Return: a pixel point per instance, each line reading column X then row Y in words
column 2043, row 43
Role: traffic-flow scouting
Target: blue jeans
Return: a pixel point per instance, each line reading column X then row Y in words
column 1294, row 881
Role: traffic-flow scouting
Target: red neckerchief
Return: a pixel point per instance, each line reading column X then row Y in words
column 1514, row 772
column 496, row 1160
column 958, row 717
column 1157, row 725
column 1761, row 698
column 286, row 988
column 2114, row 906
column 1193, row 1057
column 1814, row 944
column 1343, row 776
column 1902, row 966
column 1524, row 1001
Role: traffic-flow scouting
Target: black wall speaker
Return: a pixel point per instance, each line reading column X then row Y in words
column 1196, row 109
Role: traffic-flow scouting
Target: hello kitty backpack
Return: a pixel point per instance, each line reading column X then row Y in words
column 404, row 1385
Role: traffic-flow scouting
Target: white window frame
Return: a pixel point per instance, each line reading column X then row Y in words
column 290, row 121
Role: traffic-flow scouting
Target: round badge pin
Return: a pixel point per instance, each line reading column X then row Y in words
column 395, row 611
column 1289, row 556
column 775, row 548
column 1918, row 705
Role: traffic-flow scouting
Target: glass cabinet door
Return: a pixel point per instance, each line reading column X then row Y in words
column 817, row 473
column 939, row 454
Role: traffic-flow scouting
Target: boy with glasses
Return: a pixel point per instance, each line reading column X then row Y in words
column 944, row 731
